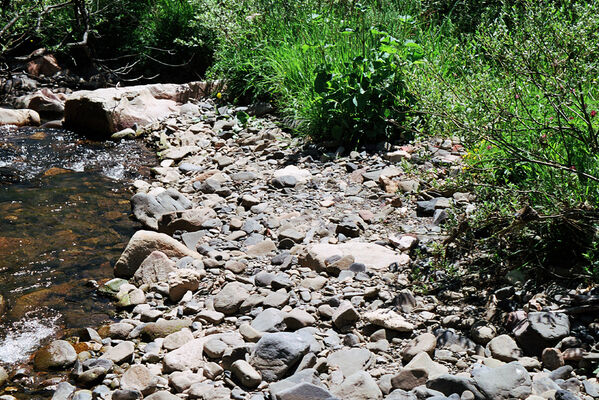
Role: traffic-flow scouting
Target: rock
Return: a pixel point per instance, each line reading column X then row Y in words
column 305, row 376
column 350, row 361
column 297, row 319
column 148, row 209
column 449, row 384
column 57, row 355
column 163, row 328
column 177, row 339
column 63, row 391
column 43, row 101
column 154, row 268
column 374, row 256
column 181, row 281
column 120, row 353
column 138, row 377
column 269, row 320
column 247, row 375
column 409, row 378
column 3, row 376
column 389, row 319
column 425, row 342
column 359, row 386
column 300, row 175
column 215, row 348
column 188, row 356
column 284, row 181
column 509, row 381
column 92, row 377
column 504, row 348
column 42, row 64
column 230, row 298
column 424, row 361
column 304, row 391
column 19, row 117
column 345, row 316
column 162, row 395
column 541, row 330
column 552, row 358
column 276, row 353
column 183, row 380
column 482, row 333
column 105, row 111
column 190, row 220
column 261, row 249
column 565, row 395
column 141, row 245
column 204, row 391
column 126, row 395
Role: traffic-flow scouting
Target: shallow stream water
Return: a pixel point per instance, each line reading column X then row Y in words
column 64, row 220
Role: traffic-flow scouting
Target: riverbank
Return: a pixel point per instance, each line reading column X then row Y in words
column 270, row 268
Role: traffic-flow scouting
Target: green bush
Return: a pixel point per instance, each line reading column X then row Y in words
column 323, row 64
column 523, row 94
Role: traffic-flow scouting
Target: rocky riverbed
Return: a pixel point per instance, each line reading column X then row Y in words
column 269, row 269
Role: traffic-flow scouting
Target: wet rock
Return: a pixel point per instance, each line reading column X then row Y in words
column 141, row 245
column 276, row 353
column 508, row 381
column 91, row 377
column 57, row 355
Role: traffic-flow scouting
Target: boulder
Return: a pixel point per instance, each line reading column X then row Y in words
column 540, row 330
column 141, row 245
column 58, row 354
column 189, row 220
column 509, row 381
column 19, row 117
column 44, row 101
column 182, row 280
column 276, row 353
column 373, row 256
column 138, row 377
column 102, row 112
column 149, row 208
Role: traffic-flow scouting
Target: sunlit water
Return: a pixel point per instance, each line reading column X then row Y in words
column 64, row 220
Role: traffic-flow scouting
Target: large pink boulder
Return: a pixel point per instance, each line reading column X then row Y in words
column 106, row 111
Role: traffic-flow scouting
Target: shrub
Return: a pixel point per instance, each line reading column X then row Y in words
column 523, row 94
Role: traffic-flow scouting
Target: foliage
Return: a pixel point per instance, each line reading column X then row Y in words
column 522, row 92
column 333, row 69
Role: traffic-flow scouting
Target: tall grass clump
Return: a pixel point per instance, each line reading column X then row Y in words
column 334, row 69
